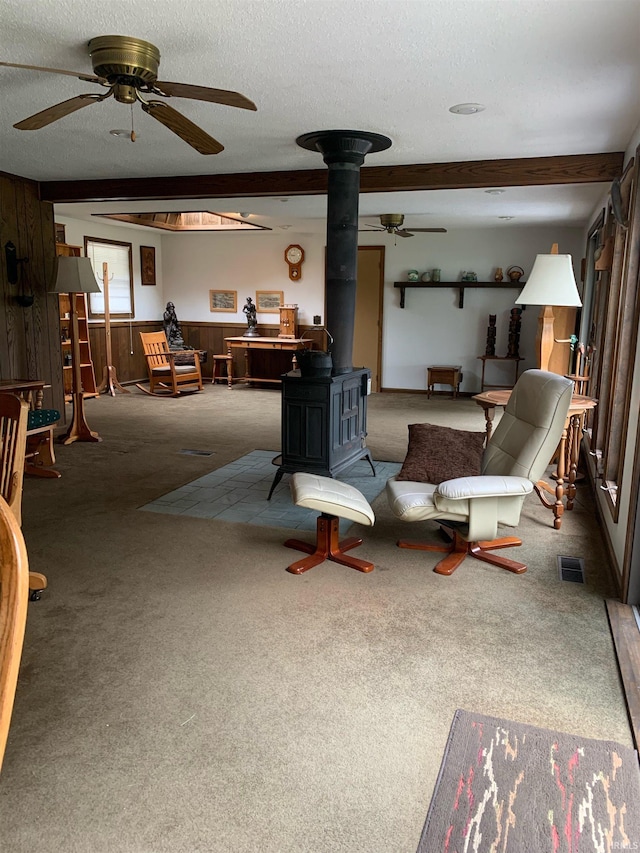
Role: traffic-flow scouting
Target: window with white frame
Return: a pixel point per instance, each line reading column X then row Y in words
column 117, row 256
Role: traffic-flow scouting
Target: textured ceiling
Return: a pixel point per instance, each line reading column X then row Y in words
column 556, row 77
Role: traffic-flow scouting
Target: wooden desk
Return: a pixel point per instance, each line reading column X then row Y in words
column 260, row 343
column 40, row 439
column 568, row 449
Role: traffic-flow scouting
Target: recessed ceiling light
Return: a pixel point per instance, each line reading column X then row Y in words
column 466, row 109
column 284, row 227
column 494, row 192
column 506, row 217
column 120, row 133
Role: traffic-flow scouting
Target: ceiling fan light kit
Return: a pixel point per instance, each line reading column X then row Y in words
column 128, row 68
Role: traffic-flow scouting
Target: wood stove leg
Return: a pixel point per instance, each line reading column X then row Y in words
column 276, row 480
column 368, row 457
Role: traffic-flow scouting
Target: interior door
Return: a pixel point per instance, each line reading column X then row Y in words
column 367, row 332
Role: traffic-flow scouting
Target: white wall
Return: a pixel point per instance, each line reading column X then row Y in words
column 148, row 301
column 194, row 264
column 431, row 329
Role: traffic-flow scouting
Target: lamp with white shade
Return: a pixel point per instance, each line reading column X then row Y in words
column 551, row 283
column 75, row 275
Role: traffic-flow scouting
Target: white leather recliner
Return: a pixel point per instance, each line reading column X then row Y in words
column 470, row 509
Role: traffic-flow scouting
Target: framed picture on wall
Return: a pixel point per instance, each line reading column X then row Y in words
column 148, row 265
column 223, row 300
column 269, row 301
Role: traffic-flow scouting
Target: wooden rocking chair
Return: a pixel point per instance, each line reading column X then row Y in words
column 167, row 372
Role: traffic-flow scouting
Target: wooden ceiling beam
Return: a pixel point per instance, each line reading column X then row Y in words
column 526, row 172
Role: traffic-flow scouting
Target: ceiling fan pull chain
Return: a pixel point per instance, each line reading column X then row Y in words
column 133, row 133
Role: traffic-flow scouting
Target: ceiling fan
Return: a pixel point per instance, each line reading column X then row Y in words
column 128, row 68
column 391, row 222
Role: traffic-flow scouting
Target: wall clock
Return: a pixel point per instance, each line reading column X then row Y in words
column 294, row 256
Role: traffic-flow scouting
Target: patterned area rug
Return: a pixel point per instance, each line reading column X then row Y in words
column 238, row 492
column 506, row 787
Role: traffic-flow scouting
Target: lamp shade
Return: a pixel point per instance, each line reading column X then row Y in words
column 74, row 275
column 551, row 282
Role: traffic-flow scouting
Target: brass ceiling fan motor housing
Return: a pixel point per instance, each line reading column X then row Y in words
column 391, row 220
column 129, row 62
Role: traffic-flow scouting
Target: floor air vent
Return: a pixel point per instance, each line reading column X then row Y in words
column 197, row 452
column 571, row 569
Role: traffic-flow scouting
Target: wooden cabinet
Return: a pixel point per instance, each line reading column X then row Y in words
column 288, row 321
column 87, row 373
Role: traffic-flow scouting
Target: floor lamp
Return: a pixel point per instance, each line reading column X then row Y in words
column 75, row 275
column 551, row 282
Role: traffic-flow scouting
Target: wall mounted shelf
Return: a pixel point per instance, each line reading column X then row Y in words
column 461, row 285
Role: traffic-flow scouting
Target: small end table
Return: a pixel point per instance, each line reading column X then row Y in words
column 444, row 374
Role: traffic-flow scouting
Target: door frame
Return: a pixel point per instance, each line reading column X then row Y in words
column 381, row 250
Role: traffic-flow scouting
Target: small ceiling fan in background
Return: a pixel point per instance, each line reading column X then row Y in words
column 128, row 68
column 392, row 222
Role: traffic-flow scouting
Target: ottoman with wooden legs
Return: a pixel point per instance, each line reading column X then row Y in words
column 334, row 500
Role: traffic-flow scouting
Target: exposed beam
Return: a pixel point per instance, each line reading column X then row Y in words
column 526, row 172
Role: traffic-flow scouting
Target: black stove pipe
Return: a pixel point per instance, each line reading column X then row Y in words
column 343, row 151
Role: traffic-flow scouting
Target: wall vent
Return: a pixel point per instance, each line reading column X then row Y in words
column 571, row 569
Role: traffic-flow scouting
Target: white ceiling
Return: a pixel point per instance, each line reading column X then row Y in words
column 556, row 77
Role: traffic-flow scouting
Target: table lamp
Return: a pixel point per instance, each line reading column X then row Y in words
column 551, row 282
column 74, row 275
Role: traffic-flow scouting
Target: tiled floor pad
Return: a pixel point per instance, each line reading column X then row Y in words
column 238, row 492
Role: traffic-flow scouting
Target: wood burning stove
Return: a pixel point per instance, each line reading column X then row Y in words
column 324, row 419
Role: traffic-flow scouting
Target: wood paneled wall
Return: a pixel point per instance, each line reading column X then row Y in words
column 29, row 337
column 129, row 360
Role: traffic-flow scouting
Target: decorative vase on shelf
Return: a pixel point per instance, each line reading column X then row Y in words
column 498, row 276
column 413, row 275
column 515, row 273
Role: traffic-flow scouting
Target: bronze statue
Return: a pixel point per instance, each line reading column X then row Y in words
column 249, row 310
column 172, row 328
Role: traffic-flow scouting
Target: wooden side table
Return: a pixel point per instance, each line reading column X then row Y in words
column 444, row 374
column 567, row 454
column 485, row 358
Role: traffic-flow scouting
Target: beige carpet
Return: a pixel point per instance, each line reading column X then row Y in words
column 180, row 691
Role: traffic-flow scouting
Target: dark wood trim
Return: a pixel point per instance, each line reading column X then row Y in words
column 612, row 568
column 528, row 171
column 626, row 639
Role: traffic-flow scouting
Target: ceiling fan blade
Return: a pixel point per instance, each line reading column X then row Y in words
column 57, row 111
column 402, row 232
column 204, row 93
column 90, row 78
column 183, row 127
column 430, row 230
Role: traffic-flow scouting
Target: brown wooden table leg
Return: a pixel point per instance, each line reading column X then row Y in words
column 541, row 487
column 575, row 436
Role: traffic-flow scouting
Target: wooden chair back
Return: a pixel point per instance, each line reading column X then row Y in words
column 155, row 348
column 13, row 442
column 14, row 596
column 168, row 374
